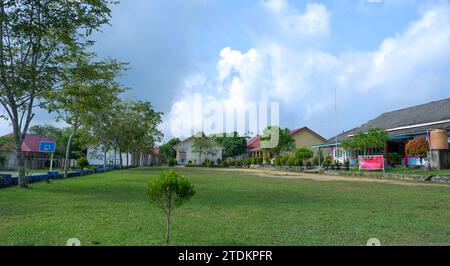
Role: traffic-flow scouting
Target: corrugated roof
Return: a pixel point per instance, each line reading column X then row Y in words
column 31, row 142
column 438, row 111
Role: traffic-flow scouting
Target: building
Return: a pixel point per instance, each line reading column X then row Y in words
column 304, row 138
column 402, row 126
column 185, row 153
column 96, row 155
column 33, row 158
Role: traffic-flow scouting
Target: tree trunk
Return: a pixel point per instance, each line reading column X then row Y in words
column 104, row 158
column 23, row 179
column 168, row 229
column 120, row 159
column 128, row 158
column 69, row 144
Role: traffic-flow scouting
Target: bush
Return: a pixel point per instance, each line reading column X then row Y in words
column 171, row 190
column 304, row 154
column 219, row 161
column 172, row 162
column 248, row 162
column 225, row 164
column 238, row 163
column 82, row 163
column 395, row 158
column 2, row 161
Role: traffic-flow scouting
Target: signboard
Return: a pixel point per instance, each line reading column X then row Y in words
column 371, row 162
column 47, row 146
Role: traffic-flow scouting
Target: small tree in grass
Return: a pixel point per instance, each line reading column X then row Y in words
column 171, row 190
column 418, row 147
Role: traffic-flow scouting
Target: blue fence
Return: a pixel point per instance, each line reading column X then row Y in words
column 7, row 180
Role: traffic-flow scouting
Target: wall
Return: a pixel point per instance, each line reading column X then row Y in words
column 95, row 157
column 193, row 156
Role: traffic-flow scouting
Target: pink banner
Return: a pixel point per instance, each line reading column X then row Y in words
column 372, row 163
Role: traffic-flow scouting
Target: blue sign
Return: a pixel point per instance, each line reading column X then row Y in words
column 47, row 146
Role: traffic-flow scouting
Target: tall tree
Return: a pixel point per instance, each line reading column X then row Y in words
column 234, row 144
column 280, row 140
column 36, row 38
column 167, row 151
column 87, row 87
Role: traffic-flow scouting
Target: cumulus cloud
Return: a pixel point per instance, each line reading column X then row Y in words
column 403, row 69
column 315, row 21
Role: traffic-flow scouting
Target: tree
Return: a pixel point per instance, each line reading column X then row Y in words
column 167, row 152
column 87, row 87
column 303, row 154
column 201, row 144
column 171, row 190
column 233, row 144
column 36, row 38
column 374, row 138
column 418, row 147
column 280, row 140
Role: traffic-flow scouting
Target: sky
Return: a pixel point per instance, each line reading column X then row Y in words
column 378, row 55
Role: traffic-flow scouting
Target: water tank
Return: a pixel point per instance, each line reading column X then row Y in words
column 439, row 139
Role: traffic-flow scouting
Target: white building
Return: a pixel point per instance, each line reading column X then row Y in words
column 185, row 153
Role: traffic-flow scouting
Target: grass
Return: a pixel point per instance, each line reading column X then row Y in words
column 412, row 171
column 230, row 208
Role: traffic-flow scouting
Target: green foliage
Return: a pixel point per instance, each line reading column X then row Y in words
column 304, row 154
column 171, row 190
column 374, row 138
column 172, row 162
column 2, row 161
column 82, row 163
column 328, row 161
column 167, row 152
column 224, row 164
column 285, row 141
column 234, row 144
column 203, row 145
column 38, row 39
column 395, row 158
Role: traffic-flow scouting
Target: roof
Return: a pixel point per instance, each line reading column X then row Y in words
column 190, row 139
column 155, row 150
column 407, row 121
column 255, row 143
column 31, row 142
column 295, row 131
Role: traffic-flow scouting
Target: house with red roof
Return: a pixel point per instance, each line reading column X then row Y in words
column 30, row 146
column 304, row 138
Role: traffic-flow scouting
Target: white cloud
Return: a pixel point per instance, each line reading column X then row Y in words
column 412, row 64
column 315, row 21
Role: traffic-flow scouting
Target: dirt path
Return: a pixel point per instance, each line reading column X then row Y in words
column 326, row 178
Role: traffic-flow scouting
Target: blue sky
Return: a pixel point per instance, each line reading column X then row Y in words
column 379, row 55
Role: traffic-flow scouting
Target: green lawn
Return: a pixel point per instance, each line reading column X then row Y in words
column 230, row 208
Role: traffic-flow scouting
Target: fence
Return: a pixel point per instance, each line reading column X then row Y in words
column 7, row 180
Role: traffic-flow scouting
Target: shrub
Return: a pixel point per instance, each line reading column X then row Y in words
column 291, row 162
column 172, row 162
column 2, row 161
column 418, row 147
column 327, row 162
column 304, row 154
column 219, row 161
column 82, row 163
column 260, row 161
column 347, row 164
column 248, row 162
column 171, row 190
column 395, row 158
column 238, row 163
column 225, row 164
